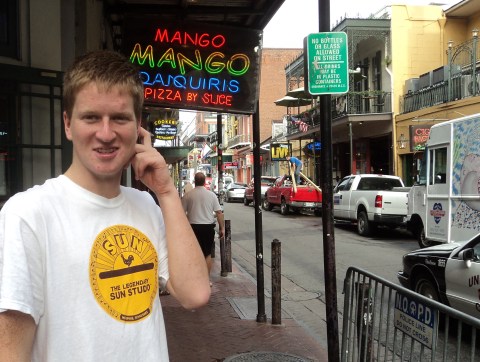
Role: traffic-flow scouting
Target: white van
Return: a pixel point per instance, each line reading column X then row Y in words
column 444, row 204
column 227, row 179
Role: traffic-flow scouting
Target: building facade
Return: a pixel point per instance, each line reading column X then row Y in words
column 400, row 62
column 441, row 86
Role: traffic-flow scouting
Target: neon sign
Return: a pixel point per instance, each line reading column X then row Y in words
column 418, row 137
column 165, row 129
column 195, row 66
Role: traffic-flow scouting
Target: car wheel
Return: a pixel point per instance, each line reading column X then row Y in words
column 317, row 212
column 427, row 288
column 245, row 201
column 422, row 241
column 284, row 208
column 266, row 205
column 363, row 225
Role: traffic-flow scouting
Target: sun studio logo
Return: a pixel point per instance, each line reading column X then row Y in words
column 123, row 273
column 437, row 212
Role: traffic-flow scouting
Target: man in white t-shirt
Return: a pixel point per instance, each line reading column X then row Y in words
column 82, row 257
column 202, row 206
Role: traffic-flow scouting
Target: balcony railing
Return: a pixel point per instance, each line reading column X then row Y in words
column 355, row 103
column 239, row 141
column 461, row 87
column 456, row 80
column 351, row 103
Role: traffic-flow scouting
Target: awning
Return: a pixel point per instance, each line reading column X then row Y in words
column 299, row 93
column 288, row 101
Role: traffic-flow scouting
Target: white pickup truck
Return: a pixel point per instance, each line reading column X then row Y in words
column 371, row 200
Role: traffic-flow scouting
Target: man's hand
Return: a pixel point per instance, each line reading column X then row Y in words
column 150, row 167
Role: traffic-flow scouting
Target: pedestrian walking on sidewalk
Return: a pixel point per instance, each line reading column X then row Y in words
column 202, row 207
column 297, row 167
column 81, row 256
column 188, row 187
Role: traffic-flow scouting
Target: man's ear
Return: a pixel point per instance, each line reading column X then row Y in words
column 67, row 123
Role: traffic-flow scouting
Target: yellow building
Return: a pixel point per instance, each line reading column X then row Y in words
column 435, row 64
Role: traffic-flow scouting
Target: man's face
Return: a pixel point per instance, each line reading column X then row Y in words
column 103, row 129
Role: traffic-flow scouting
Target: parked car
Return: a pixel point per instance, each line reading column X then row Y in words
column 284, row 195
column 371, row 200
column 235, row 192
column 448, row 273
column 265, row 183
column 227, row 179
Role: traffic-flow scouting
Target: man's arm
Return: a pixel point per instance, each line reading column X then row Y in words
column 189, row 281
column 221, row 223
column 17, row 332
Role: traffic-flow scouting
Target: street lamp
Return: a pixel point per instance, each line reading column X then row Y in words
column 402, row 141
column 450, row 46
column 350, row 134
column 474, row 61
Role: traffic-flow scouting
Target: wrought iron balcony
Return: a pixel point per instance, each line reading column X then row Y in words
column 461, row 87
column 367, row 102
column 239, row 141
column 351, row 103
column 456, row 80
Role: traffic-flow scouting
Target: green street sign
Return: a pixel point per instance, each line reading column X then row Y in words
column 327, row 63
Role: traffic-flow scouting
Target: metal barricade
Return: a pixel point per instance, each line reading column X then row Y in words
column 383, row 321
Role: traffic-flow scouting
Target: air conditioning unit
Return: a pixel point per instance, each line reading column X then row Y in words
column 441, row 74
column 425, row 80
column 411, row 85
column 467, row 86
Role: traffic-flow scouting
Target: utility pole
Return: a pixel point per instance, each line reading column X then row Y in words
column 327, row 206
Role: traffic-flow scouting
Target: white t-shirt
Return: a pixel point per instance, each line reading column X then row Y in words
column 86, row 269
column 200, row 205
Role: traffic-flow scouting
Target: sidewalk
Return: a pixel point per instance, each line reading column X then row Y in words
column 226, row 329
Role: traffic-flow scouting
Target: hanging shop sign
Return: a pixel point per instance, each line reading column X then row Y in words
column 165, row 129
column 418, row 137
column 310, row 150
column 279, row 151
column 195, row 66
column 230, row 165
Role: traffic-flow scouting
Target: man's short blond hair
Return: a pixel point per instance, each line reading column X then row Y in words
column 107, row 69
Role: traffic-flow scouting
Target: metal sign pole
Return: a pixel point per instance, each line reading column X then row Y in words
column 327, row 206
column 261, row 316
column 219, row 157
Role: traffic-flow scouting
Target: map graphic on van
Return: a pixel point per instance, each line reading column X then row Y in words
column 466, row 174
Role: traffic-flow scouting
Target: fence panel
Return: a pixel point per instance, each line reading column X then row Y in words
column 383, row 321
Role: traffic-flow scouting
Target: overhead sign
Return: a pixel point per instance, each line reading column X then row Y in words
column 280, row 151
column 195, row 66
column 418, row 137
column 326, row 63
column 165, row 129
column 230, row 165
column 415, row 319
column 312, row 148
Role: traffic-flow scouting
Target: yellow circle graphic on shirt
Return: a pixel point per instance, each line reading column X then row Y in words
column 123, row 273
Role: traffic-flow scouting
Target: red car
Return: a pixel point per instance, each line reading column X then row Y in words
column 282, row 194
column 265, row 183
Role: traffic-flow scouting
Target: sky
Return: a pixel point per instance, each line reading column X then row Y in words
column 298, row 18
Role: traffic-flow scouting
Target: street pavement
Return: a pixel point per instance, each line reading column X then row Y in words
column 226, row 329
